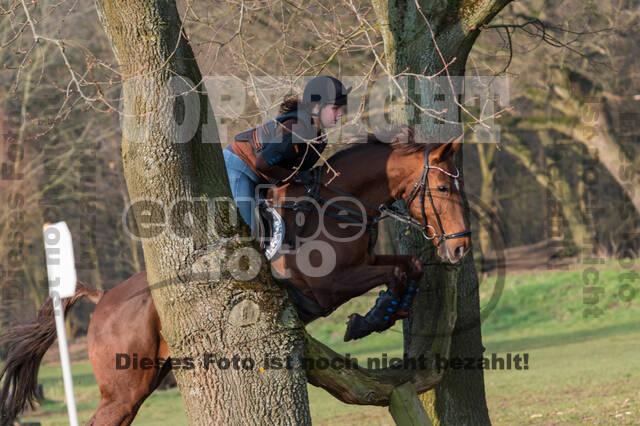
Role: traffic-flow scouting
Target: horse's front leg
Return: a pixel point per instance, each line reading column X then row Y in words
column 355, row 281
column 409, row 263
column 412, row 267
column 392, row 304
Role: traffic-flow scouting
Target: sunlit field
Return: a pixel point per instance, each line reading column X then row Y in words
column 580, row 370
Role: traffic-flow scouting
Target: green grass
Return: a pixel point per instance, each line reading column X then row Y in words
column 538, row 309
column 581, row 370
column 592, row 381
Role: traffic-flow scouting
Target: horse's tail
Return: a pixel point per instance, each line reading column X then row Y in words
column 27, row 345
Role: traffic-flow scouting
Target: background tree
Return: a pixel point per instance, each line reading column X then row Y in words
column 425, row 38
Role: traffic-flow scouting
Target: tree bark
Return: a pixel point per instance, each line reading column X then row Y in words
column 415, row 46
column 207, row 299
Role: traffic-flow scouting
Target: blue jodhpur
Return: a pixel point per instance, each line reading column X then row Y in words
column 243, row 183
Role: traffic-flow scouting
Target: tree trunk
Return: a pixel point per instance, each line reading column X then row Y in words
column 587, row 123
column 208, row 299
column 410, row 46
column 553, row 182
column 622, row 167
column 487, row 173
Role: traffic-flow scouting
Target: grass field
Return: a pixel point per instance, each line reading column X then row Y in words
column 581, row 370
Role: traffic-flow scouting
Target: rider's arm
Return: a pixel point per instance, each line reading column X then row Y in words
column 274, row 153
column 273, row 172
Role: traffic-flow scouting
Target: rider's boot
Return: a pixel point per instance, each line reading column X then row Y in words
column 387, row 310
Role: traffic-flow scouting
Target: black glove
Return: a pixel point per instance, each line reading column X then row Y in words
column 304, row 177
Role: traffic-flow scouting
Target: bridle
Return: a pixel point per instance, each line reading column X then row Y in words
column 384, row 211
column 422, row 187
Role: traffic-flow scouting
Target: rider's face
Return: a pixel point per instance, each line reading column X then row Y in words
column 330, row 115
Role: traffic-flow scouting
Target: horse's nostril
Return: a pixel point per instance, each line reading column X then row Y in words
column 459, row 251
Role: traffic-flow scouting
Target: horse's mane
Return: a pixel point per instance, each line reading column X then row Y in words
column 404, row 145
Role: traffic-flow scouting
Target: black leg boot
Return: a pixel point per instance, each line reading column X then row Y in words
column 382, row 316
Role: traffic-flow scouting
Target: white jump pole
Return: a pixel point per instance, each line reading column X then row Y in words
column 61, row 271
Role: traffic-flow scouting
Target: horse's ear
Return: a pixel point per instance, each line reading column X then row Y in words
column 456, row 144
column 447, row 150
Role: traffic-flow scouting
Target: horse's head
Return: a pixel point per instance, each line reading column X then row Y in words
column 433, row 193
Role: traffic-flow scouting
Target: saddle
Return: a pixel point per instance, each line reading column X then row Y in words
column 271, row 233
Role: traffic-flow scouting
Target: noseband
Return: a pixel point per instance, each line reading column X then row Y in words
column 422, row 186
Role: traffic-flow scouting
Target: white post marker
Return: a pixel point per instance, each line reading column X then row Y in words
column 61, row 271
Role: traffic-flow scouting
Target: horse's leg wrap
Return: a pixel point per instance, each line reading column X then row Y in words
column 383, row 314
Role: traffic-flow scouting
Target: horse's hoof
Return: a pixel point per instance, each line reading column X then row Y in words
column 357, row 328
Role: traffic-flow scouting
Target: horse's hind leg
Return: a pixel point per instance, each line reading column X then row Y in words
column 121, row 408
column 122, row 333
column 114, row 412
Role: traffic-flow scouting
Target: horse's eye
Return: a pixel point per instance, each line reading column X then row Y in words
column 443, row 188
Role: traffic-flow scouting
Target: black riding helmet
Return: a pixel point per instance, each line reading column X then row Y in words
column 324, row 90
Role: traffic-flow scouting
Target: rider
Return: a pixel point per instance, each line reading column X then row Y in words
column 278, row 150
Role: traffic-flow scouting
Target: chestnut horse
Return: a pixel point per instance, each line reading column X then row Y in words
column 371, row 175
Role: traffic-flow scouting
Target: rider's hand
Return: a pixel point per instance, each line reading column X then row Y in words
column 304, row 177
